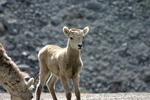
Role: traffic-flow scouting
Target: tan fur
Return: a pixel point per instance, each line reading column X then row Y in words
column 63, row 63
column 12, row 79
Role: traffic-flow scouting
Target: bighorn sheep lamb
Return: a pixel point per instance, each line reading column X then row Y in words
column 63, row 63
column 12, row 79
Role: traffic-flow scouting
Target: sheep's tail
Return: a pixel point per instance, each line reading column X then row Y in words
column 36, row 78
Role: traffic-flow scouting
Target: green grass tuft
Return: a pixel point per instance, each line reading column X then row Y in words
column 142, row 3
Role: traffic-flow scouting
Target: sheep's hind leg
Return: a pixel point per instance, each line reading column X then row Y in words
column 43, row 75
column 51, row 84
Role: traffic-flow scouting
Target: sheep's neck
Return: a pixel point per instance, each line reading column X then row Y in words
column 17, row 83
column 17, row 92
column 73, row 53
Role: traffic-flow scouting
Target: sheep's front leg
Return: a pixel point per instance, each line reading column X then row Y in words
column 76, row 86
column 65, row 84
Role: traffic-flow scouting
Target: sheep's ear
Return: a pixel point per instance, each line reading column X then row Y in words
column 86, row 30
column 30, row 82
column 1, row 46
column 66, row 31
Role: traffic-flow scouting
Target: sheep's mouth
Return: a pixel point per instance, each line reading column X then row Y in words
column 80, row 48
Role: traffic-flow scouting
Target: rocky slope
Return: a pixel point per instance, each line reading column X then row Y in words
column 116, row 52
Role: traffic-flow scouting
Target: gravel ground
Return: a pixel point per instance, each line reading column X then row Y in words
column 103, row 96
column 116, row 52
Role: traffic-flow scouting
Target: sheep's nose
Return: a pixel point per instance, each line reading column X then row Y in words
column 80, row 45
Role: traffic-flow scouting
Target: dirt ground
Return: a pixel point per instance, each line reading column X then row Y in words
column 101, row 96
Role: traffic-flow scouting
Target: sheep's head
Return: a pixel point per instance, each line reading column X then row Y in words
column 27, row 93
column 75, row 36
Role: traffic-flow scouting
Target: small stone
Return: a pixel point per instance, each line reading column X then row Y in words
column 32, row 57
column 2, row 29
column 56, row 20
column 38, row 49
column 124, row 44
column 94, row 5
column 134, row 34
column 24, row 67
column 29, row 34
column 11, row 27
column 25, row 53
column 3, row 2
column 11, row 47
column 91, row 58
column 1, row 9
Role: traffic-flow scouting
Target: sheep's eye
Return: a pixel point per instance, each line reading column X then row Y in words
column 71, row 38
